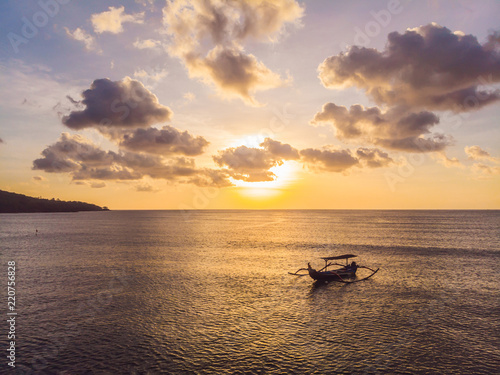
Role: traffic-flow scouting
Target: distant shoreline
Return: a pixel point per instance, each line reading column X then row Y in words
column 19, row 203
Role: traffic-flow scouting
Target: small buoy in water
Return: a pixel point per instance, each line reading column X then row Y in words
column 36, row 232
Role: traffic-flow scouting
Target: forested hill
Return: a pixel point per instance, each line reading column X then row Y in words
column 12, row 202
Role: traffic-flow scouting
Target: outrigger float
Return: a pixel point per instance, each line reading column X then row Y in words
column 348, row 271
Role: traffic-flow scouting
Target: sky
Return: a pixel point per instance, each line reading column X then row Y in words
column 231, row 104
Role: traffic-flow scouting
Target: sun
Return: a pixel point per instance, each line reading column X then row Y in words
column 285, row 173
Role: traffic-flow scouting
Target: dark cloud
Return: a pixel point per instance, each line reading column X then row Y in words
column 83, row 161
column 208, row 36
column 341, row 160
column 395, row 129
column 57, row 158
column 373, row 157
column 436, row 142
column 73, row 101
column 329, row 160
column 493, row 42
column 426, row 67
column 126, row 103
column 165, row 141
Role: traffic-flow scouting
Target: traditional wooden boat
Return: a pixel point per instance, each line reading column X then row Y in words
column 343, row 274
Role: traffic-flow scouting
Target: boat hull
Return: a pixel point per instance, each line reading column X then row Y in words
column 331, row 275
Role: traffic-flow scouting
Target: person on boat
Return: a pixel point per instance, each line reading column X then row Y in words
column 353, row 266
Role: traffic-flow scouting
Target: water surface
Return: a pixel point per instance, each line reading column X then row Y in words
column 208, row 292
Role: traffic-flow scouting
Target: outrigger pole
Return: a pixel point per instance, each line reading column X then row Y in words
column 355, row 281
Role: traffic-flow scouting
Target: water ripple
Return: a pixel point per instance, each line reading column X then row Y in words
column 132, row 293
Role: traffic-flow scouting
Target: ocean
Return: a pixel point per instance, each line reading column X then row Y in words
column 208, row 292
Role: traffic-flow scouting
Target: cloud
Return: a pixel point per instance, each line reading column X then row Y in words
column 233, row 73
column 147, row 44
column 329, row 160
column 70, row 153
column 97, row 185
column 447, row 161
column 145, row 187
column 436, row 142
column 207, row 177
column 477, row 153
column 85, row 161
column 151, row 78
column 165, row 141
column 248, row 163
column 282, row 150
column 208, row 36
column 38, row 178
column 486, row 169
column 82, row 36
column 73, row 101
column 493, row 41
column 426, row 67
column 252, row 164
column 340, row 160
column 149, row 3
column 373, row 157
column 155, row 75
column 112, row 20
column 125, row 103
column 189, row 96
column 395, row 129
column 227, row 22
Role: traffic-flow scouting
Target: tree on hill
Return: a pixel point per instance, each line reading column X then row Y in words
column 12, row 203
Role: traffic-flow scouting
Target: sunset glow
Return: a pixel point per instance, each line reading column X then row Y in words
column 152, row 105
column 285, row 176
